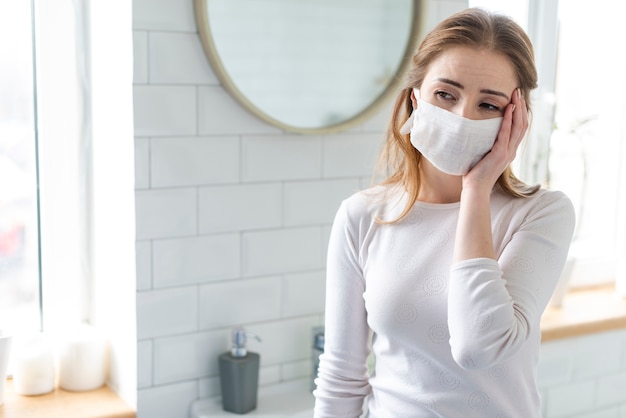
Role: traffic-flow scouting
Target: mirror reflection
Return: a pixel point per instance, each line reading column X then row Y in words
column 308, row 65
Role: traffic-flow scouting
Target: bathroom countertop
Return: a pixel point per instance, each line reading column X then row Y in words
column 292, row 399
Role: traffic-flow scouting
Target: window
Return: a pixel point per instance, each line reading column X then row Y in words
column 586, row 148
column 84, row 100
column 19, row 237
column 45, row 163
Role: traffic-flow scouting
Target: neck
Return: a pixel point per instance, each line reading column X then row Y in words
column 438, row 187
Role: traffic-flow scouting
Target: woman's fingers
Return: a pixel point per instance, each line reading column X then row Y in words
column 514, row 125
column 519, row 120
column 509, row 130
column 512, row 131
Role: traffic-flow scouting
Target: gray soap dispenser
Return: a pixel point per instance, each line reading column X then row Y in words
column 239, row 374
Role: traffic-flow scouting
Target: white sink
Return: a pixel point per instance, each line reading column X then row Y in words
column 292, row 399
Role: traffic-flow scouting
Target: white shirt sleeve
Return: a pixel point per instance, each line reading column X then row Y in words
column 342, row 382
column 494, row 307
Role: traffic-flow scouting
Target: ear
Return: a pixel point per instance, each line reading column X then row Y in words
column 413, row 99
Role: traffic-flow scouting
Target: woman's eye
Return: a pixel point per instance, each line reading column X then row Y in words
column 444, row 95
column 490, row 107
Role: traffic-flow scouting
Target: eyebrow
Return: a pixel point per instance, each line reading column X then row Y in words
column 459, row 85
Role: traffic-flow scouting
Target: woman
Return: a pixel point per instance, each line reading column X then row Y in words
column 445, row 268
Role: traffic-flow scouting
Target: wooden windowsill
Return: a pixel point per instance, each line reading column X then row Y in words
column 99, row 403
column 585, row 311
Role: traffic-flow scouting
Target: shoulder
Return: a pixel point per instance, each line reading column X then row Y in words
column 361, row 214
column 544, row 198
column 545, row 207
column 541, row 200
column 369, row 204
column 549, row 203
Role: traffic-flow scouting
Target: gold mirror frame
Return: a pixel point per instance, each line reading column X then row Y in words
column 418, row 20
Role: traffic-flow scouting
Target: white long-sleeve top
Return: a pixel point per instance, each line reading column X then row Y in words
column 449, row 340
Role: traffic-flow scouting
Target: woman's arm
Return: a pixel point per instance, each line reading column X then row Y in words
column 495, row 305
column 473, row 235
column 343, row 376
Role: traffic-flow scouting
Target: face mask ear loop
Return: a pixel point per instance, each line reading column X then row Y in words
column 408, row 125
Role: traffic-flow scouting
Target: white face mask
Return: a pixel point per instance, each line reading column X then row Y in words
column 452, row 143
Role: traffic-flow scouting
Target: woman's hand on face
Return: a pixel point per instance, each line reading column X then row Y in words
column 514, row 125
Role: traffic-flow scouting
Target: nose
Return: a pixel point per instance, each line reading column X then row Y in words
column 466, row 110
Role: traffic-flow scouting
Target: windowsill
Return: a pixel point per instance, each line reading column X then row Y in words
column 97, row 403
column 585, row 311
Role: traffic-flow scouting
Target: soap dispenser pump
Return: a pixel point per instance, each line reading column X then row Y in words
column 239, row 374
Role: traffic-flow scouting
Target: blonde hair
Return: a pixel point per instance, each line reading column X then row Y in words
column 477, row 28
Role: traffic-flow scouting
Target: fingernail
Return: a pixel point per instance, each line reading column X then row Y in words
column 513, row 109
column 519, row 93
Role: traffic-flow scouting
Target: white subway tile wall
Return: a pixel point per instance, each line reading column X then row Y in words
column 345, row 155
column 233, row 218
column 143, row 262
column 284, row 250
column 281, row 157
column 167, row 312
column 164, row 110
column 167, row 400
column 144, row 364
column 314, row 202
column 227, row 207
column 164, row 15
column 584, row 377
column 193, row 161
column 142, row 163
column 140, row 57
column 165, row 213
column 302, row 294
column 196, row 356
column 219, row 113
column 189, row 67
column 184, row 261
column 248, row 301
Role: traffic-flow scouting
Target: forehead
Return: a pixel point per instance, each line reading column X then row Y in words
column 473, row 68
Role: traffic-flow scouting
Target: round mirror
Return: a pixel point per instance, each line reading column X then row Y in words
column 309, row 65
